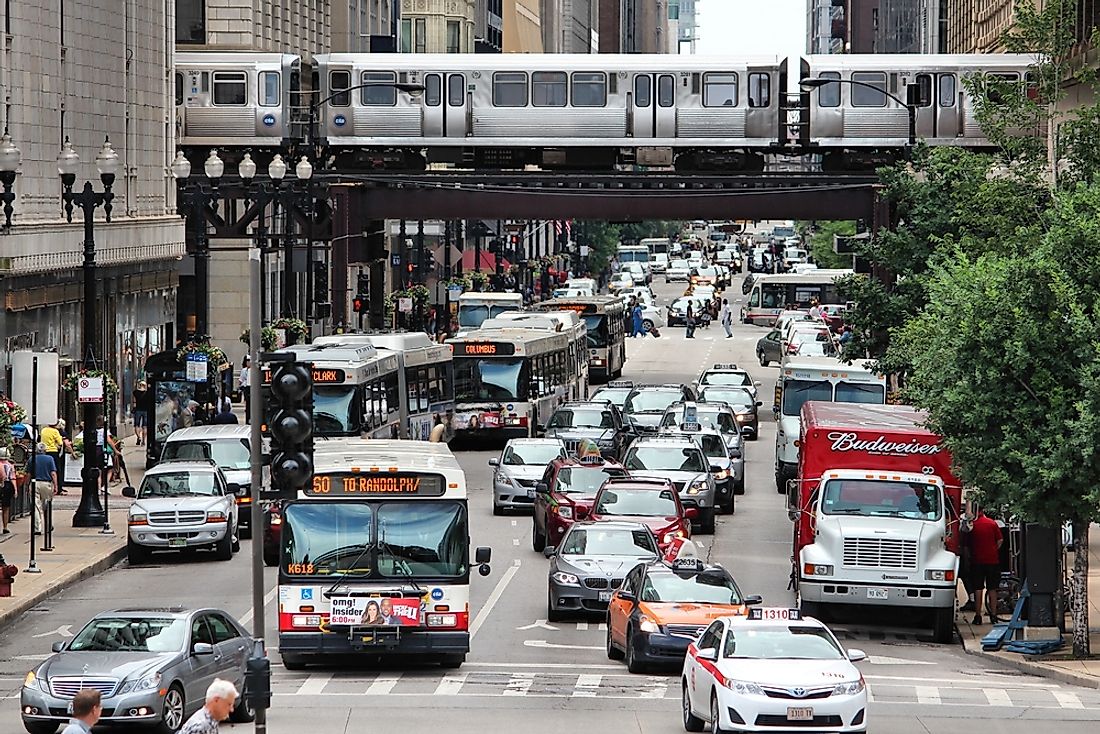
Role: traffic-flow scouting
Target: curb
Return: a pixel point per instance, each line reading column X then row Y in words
column 95, row 568
column 1038, row 669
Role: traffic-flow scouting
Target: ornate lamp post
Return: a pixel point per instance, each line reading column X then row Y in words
column 10, row 158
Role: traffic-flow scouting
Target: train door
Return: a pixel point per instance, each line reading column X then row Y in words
column 920, row 95
column 433, row 106
column 456, row 111
column 665, row 112
column 643, row 109
column 947, row 106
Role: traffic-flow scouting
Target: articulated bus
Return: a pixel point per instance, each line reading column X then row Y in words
column 374, row 556
column 355, row 389
column 603, row 315
column 508, row 381
column 770, row 294
column 568, row 323
column 426, row 379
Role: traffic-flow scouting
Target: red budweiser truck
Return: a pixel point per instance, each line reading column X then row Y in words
column 876, row 512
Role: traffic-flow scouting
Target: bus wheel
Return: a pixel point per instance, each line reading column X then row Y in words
column 293, row 662
column 452, row 661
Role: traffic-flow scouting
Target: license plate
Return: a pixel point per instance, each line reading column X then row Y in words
column 177, row 542
column 531, row 493
column 605, row 596
column 69, row 710
column 878, row 594
column 800, row 713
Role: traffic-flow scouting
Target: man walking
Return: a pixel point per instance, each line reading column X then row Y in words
column 221, row 697
column 726, row 317
column 44, row 470
column 246, row 384
column 985, row 558
column 86, row 712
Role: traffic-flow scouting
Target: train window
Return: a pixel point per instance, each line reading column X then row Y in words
column 589, row 89
column 998, row 86
column 549, row 88
column 456, row 90
column 666, row 91
column 229, row 88
column 947, row 90
column 924, row 90
column 340, row 80
column 509, row 89
column 179, row 89
column 760, row 89
column 433, row 90
column 719, row 90
column 381, row 93
column 643, row 91
column 829, row 94
column 872, row 95
column 269, row 89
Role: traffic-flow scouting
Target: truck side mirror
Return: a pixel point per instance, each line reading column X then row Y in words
column 792, row 495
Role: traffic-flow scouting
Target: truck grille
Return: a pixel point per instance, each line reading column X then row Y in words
column 182, row 517
column 67, row 687
column 880, row 553
column 571, row 445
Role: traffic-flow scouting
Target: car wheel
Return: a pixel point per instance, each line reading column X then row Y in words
column 538, row 540
column 715, row 727
column 452, row 661
column 243, row 712
column 173, row 710
column 613, row 653
column 244, row 533
column 692, row 722
column 223, row 549
column 647, row 324
column 136, row 554
column 236, row 547
column 498, row 510
column 40, row 727
column 292, row 662
column 763, row 359
column 739, row 488
column 633, row 664
column 706, row 521
column 552, row 615
column 730, row 505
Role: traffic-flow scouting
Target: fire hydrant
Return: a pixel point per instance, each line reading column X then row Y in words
column 7, row 576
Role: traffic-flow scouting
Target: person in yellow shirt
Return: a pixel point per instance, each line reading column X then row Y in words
column 54, row 442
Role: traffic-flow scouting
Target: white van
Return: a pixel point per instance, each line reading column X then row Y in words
column 658, row 262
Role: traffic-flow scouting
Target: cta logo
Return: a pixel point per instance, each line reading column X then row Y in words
column 339, row 121
column 850, row 441
column 269, row 120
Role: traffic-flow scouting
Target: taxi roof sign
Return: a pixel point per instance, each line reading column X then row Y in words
column 588, row 452
column 724, row 366
column 688, row 563
column 774, row 614
column 621, row 383
column 691, row 427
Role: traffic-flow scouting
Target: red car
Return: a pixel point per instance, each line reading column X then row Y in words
column 652, row 502
column 565, row 494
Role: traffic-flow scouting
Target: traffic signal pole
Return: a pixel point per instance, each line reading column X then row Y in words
column 255, row 680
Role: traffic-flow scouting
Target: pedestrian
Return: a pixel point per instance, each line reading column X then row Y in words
column 845, row 335
column 636, row 312
column 986, row 540
column 245, row 383
column 966, row 573
column 690, row 322
column 221, row 697
column 86, row 710
column 55, row 448
column 43, row 469
column 7, row 486
column 815, row 310
column 107, row 447
column 225, row 416
column 438, row 430
column 726, row 316
column 139, row 411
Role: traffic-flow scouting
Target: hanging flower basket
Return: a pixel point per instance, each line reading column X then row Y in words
column 295, row 329
column 72, row 382
column 268, row 338
column 214, row 356
column 10, row 414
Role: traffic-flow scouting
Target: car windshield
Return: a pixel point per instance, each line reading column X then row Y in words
column 581, row 418
column 665, row 458
column 336, row 410
column 797, row 392
column 228, row 453
column 179, row 484
column 701, row 588
column 488, row 379
column 794, row 642
column 707, row 272
column 584, row 479
column 736, row 398
column 614, row 395
column 726, row 378
column 131, row 634
column 642, row 502
column 872, row 498
column 651, row 400
column 531, row 454
column 679, row 264
column 597, row 541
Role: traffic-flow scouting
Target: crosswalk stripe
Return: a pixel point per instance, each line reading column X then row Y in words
column 1067, row 700
column 997, row 697
column 582, row 626
column 451, row 684
column 655, row 687
column 519, row 684
column 928, row 695
column 587, row 685
column 314, row 684
column 383, row 685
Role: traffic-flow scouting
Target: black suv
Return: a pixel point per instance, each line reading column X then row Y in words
column 646, row 404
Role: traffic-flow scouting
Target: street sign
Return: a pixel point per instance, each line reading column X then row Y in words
column 395, row 259
column 453, row 292
column 89, row 390
column 196, row 368
column 22, row 383
column 405, row 305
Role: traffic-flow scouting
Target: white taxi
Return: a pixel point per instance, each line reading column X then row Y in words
column 772, row 670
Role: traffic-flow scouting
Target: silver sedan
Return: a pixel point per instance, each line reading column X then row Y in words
column 519, row 468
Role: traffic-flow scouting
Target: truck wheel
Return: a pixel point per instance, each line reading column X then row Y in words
column 136, row 554
column 453, row 661
column 271, row 555
column 292, row 662
column 943, row 625
column 812, row 609
column 223, row 549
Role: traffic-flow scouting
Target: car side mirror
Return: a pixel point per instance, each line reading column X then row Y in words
column 129, row 492
column 542, row 487
column 58, row 646
column 483, row 554
column 757, row 383
column 232, row 488
column 707, row 653
column 691, row 513
column 549, row 551
column 856, row 655
column 714, row 468
column 494, row 461
column 758, row 403
column 753, row 599
column 202, row 648
column 625, row 595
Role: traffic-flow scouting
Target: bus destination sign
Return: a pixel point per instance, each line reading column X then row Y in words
column 321, row 376
column 484, row 349
column 376, row 484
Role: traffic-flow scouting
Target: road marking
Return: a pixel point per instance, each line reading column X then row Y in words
column 1067, row 700
column 519, row 684
column 63, row 630
column 587, row 685
column 997, row 697
column 315, row 684
column 268, row 597
column 498, row 590
column 929, row 695
column 515, row 541
column 655, row 687
column 538, row 623
column 570, row 666
column 582, row 626
column 886, row 660
column 450, row 685
column 552, row 646
column 31, row 657
column 515, row 523
column 967, row 682
column 383, row 684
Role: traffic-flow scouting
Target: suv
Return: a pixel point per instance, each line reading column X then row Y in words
column 182, row 505
column 601, row 423
column 715, row 415
column 646, row 403
column 680, row 459
column 745, row 406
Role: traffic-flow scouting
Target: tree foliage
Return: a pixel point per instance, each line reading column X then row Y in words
column 821, row 236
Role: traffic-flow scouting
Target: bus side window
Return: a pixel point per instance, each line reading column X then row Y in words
column 754, row 298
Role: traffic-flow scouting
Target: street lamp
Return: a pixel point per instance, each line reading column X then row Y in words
column 910, row 107
column 213, row 167
column 90, row 512
column 10, row 158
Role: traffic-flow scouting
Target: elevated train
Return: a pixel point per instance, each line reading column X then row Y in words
column 578, row 111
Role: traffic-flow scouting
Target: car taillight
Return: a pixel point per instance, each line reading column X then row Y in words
column 276, row 520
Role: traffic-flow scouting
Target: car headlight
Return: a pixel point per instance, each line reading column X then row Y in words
column 743, row 417
column 504, row 479
column 565, row 511
column 744, row 687
column 148, row 683
column 565, row 578
column 33, row 681
column 698, row 486
column 648, row 625
column 849, row 689
column 216, row 516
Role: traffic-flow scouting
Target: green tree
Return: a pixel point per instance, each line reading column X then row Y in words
column 602, row 239
column 820, row 239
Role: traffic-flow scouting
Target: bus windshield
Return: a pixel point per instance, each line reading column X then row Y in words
column 327, row 538
column 796, row 392
column 422, row 539
column 471, row 317
column 597, row 330
column 489, row 379
column 336, row 410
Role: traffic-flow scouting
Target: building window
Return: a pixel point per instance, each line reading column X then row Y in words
column 719, row 90
column 666, row 91
column 454, row 37
column 338, row 80
column 548, row 89
column 829, row 95
column 509, row 89
column 433, row 90
column 190, row 21
column 869, row 97
column 643, row 91
column 406, row 35
column 229, row 88
column 380, row 93
column 269, row 89
column 420, row 39
column 760, row 89
column 589, row 89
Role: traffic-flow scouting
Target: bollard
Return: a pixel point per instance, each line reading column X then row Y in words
column 47, row 532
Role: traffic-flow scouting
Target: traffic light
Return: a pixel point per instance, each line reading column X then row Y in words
column 362, row 283
column 257, row 682
column 291, row 427
column 320, row 281
column 359, row 303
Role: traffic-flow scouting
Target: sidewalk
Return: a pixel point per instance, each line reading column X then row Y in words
column 79, row 553
column 1060, row 666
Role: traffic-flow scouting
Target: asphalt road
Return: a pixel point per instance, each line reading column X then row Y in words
column 524, row 673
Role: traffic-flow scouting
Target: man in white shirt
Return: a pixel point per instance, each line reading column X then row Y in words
column 246, row 387
column 726, row 317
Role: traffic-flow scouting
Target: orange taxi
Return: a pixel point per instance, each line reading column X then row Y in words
column 663, row 606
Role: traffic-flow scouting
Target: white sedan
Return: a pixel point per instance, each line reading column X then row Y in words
column 772, row 670
column 678, row 270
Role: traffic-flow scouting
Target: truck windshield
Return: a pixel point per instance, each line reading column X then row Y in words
column 853, row 392
column 873, row 498
column 796, row 392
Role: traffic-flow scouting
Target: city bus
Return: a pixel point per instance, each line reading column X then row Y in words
column 508, row 381
column 355, row 390
column 570, row 324
column 425, row 380
column 473, row 308
column 603, row 316
column 655, row 245
column 374, row 556
column 771, row 294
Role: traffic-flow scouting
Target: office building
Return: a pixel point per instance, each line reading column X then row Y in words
column 634, row 26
